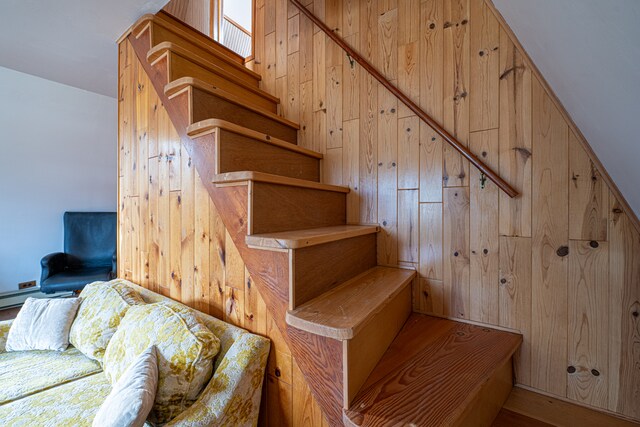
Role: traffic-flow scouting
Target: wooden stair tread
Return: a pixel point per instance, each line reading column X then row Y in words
column 430, row 373
column 244, row 176
column 177, row 86
column 198, row 39
column 161, row 48
column 232, row 55
column 310, row 237
column 344, row 310
column 205, row 127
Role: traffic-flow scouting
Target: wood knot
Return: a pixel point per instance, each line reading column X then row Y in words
column 571, row 369
column 432, row 26
column 635, row 314
column 455, row 253
column 503, row 280
column 484, row 154
column 617, row 210
column 393, row 164
column 595, row 372
column 562, row 251
column 277, row 372
column 384, row 223
column 447, row 25
column 464, row 22
column 485, row 251
column 594, row 244
column 524, row 152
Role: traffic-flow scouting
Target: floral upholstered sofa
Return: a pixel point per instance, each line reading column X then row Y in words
column 49, row 388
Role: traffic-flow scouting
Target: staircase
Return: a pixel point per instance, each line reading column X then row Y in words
column 343, row 316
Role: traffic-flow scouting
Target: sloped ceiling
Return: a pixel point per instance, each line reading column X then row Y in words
column 68, row 41
column 589, row 52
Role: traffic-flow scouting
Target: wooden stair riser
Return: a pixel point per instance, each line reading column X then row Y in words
column 179, row 66
column 362, row 353
column 318, row 269
column 237, row 152
column 204, row 105
column 486, row 405
column 160, row 31
column 274, row 207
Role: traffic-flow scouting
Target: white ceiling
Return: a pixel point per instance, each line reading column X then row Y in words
column 68, row 41
column 589, row 52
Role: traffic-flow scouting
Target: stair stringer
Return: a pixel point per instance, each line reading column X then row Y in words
column 319, row 358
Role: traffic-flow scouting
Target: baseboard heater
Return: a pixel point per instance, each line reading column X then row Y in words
column 14, row 299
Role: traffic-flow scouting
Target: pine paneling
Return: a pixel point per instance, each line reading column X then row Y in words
column 455, row 59
column 624, row 314
column 172, row 240
column 550, row 201
column 472, row 77
column 588, row 325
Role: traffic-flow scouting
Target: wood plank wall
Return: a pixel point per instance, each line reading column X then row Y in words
column 560, row 263
column 172, row 240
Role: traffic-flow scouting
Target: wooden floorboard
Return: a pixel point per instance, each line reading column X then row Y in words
column 558, row 412
column 507, row 418
column 432, row 371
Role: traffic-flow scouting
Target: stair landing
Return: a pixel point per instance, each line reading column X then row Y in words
column 437, row 372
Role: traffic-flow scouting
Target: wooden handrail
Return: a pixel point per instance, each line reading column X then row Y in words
column 453, row 141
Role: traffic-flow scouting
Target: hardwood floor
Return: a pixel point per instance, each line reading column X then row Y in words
column 507, row 418
column 525, row 408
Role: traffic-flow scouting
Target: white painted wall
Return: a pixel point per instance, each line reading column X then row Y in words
column 240, row 11
column 58, row 152
column 589, row 52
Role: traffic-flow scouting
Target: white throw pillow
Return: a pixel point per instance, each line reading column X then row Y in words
column 43, row 324
column 132, row 397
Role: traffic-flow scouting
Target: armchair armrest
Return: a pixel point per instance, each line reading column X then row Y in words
column 52, row 264
column 232, row 397
column 4, row 333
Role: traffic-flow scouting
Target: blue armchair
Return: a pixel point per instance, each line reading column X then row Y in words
column 89, row 253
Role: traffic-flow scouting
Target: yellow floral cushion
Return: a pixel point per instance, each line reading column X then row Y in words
column 26, row 372
column 185, row 349
column 73, row 404
column 103, row 306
